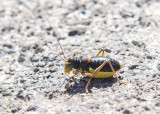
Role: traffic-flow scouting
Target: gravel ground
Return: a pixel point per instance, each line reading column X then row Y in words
column 31, row 72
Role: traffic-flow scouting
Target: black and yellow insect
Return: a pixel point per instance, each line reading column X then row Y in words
column 93, row 67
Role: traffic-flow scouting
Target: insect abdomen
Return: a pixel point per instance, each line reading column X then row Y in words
column 106, row 71
column 103, row 74
column 97, row 61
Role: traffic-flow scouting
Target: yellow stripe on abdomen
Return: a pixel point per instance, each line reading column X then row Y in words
column 101, row 74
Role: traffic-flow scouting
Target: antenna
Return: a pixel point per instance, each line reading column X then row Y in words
column 58, row 42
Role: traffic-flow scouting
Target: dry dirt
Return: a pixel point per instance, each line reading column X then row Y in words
column 31, row 72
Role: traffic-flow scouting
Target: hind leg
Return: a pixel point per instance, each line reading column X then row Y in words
column 97, row 70
column 102, row 50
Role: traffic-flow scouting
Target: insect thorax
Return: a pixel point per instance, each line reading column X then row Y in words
column 79, row 62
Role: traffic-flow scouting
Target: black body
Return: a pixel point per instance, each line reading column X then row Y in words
column 83, row 63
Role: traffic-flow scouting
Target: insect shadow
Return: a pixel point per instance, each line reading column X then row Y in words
column 79, row 87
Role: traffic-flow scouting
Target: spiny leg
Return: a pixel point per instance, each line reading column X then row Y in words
column 114, row 72
column 89, row 75
column 69, row 81
column 102, row 50
column 88, row 84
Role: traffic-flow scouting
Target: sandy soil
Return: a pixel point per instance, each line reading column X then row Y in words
column 31, row 72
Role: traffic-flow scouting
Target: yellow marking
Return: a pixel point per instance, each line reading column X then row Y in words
column 66, row 62
column 101, row 74
column 121, row 66
column 66, row 70
column 89, row 59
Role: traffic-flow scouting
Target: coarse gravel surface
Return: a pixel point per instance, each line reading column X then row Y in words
column 31, row 71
